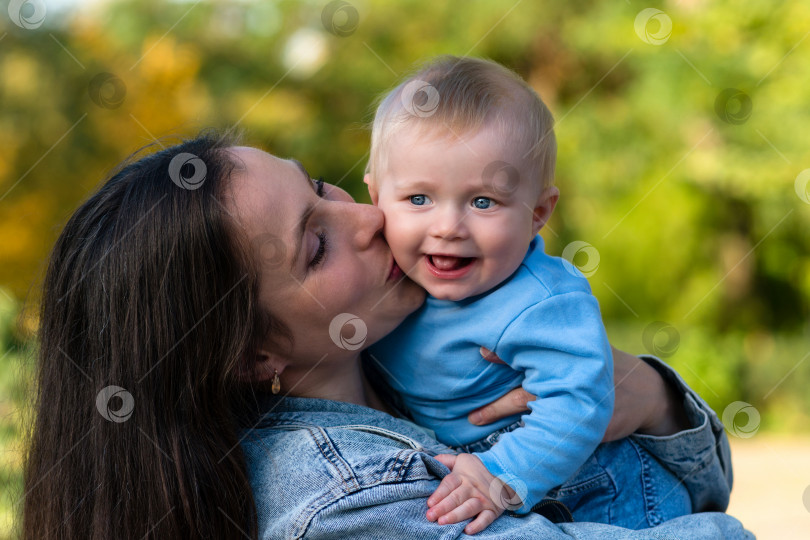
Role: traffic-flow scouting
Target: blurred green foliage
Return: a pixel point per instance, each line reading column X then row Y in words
column 689, row 198
column 15, row 369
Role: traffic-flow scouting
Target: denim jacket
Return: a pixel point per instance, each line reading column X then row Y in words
column 329, row 469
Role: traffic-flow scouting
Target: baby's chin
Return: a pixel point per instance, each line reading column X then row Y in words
column 445, row 292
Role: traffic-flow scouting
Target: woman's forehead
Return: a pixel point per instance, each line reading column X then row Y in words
column 268, row 171
column 264, row 189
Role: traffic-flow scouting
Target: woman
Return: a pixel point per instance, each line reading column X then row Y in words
column 203, row 275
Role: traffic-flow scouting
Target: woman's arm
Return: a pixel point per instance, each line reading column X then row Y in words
column 644, row 402
column 397, row 511
column 664, row 415
column 699, row 456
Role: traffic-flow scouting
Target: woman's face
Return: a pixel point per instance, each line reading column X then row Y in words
column 321, row 256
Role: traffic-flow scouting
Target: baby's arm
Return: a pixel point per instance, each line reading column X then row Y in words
column 561, row 346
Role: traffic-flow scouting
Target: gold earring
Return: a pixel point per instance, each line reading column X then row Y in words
column 276, row 388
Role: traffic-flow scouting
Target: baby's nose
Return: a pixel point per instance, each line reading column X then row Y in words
column 449, row 224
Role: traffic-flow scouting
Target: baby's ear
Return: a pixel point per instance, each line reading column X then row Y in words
column 372, row 189
column 544, row 207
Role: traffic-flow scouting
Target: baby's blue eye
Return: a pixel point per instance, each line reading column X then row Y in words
column 482, row 203
column 419, row 200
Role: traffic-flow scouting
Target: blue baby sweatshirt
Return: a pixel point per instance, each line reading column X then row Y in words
column 545, row 324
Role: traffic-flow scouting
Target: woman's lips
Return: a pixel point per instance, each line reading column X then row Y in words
column 396, row 272
column 448, row 267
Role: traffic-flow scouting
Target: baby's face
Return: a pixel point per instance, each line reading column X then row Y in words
column 459, row 212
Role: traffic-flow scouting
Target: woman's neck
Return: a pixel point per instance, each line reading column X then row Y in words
column 373, row 398
column 341, row 382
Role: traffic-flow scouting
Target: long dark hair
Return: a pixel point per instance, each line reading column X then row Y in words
column 149, row 310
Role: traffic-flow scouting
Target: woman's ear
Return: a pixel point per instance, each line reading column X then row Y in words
column 262, row 366
column 372, row 189
column 546, row 202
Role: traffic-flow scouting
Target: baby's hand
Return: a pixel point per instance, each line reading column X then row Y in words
column 466, row 492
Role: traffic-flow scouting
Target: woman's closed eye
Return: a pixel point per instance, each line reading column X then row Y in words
column 419, row 200
column 320, row 253
column 323, row 241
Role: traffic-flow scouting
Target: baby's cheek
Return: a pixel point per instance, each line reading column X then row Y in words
column 503, row 252
column 398, row 241
column 399, row 228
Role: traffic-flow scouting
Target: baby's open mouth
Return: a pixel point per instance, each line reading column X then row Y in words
column 446, row 263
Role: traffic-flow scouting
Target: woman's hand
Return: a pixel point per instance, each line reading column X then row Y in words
column 644, row 402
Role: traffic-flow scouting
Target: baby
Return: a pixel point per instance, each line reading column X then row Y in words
column 462, row 165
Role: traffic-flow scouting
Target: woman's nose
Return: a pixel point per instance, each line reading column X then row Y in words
column 337, row 194
column 366, row 224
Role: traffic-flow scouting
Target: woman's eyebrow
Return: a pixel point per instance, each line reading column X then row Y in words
column 304, row 172
column 299, row 237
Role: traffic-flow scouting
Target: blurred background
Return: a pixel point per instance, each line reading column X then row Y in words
column 684, row 166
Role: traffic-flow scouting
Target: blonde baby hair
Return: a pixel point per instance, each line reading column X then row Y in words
column 458, row 95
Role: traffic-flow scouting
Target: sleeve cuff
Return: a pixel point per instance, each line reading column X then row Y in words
column 522, row 502
column 685, row 449
column 700, row 456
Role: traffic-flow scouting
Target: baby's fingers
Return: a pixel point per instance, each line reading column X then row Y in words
column 448, row 460
column 448, row 484
column 468, row 509
column 484, row 520
column 454, row 500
